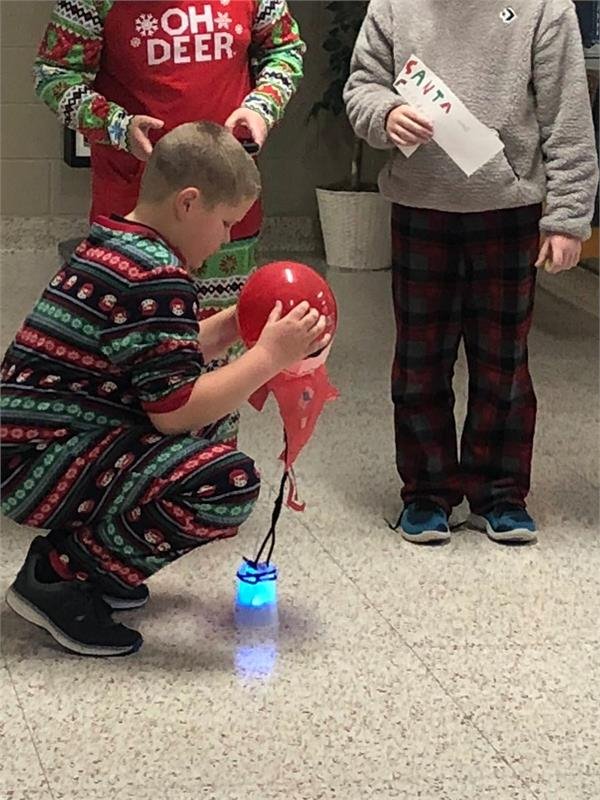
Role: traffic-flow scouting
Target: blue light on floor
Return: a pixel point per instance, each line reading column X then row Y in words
column 255, row 662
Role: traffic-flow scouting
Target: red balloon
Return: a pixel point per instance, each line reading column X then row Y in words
column 290, row 282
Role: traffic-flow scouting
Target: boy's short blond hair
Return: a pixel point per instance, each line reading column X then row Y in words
column 203, row 155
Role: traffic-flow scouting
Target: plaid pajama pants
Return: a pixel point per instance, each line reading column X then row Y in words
column 464, row 277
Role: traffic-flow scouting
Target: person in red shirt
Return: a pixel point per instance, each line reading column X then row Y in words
column 125, row 72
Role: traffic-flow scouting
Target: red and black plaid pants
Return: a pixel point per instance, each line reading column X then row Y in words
column 464, row 277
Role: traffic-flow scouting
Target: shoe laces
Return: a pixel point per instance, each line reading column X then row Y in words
column 94, row 606
column 420, row 507
column 511, row 509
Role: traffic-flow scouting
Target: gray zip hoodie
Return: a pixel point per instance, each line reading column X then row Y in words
column 518, row 66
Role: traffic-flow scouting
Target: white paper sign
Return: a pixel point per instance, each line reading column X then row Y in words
column 468, row 142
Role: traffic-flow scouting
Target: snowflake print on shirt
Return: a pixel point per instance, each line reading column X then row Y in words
column 146, row 24
column 223, row 20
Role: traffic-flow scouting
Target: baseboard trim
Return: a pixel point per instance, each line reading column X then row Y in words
column 281, row 234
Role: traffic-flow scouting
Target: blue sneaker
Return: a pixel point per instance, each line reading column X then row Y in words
column 507, row 522
column 424, row 521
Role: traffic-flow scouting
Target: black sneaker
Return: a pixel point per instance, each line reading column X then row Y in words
column 73, row 612
column 124, row 599
column 119, row 598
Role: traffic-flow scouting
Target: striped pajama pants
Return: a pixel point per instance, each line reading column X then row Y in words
column 128, row 501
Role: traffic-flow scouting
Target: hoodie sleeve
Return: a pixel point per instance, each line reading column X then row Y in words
column 566, row 127
column 369, row 93
column 66, row 67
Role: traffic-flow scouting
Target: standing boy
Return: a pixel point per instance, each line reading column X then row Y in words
column 465, row 249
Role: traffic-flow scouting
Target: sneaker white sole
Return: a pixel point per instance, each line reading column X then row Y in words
column 425, row 537
column 516, row 535
column 120, row 604
column 32, row 614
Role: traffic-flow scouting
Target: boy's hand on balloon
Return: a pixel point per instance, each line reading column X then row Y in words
column 138, row 138
column 289, row 339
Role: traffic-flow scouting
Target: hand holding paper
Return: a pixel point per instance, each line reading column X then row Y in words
column 406, row 127
column 468, row 142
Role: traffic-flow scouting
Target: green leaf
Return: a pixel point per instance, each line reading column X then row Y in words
column 346, row 18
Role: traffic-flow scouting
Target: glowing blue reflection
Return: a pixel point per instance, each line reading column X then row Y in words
column 257, row 661
column 257, row 621
column 256, row 585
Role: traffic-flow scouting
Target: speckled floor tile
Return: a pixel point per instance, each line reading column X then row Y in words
column 21, row 775
column 397, row 671
column 337, row 704
column 27, row 794
column 539, row 706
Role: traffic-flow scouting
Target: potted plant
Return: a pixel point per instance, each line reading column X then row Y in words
column 355, row 218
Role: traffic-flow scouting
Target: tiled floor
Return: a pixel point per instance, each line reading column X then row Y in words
column 466, row 672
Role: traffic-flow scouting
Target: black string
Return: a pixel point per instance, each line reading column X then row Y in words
column 270, row 537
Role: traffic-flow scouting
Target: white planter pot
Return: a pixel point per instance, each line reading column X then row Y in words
column 356, row 229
